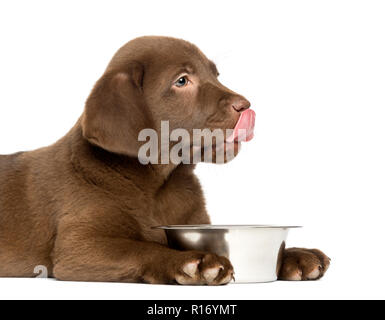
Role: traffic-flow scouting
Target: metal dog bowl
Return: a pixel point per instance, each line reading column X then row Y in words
column 255, row 251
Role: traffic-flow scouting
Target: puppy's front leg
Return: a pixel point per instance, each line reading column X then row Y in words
column 113, row 259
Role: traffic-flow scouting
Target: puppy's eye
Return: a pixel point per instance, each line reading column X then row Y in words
column 181, row 82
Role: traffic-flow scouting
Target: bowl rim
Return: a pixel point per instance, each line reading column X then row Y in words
column 222, row 227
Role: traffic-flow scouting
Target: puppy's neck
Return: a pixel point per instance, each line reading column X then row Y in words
column 115, row 171
column 163, row 171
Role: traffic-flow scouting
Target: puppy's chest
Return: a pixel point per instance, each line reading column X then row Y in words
column 166, row 208
column 179, row 201
column 174, row 205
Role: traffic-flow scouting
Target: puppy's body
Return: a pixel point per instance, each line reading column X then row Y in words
column 115, row 194
column 84, row 207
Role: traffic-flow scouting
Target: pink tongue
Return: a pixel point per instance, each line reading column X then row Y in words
column 244, row 129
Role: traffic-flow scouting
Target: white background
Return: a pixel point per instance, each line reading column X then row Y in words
column 315, row 74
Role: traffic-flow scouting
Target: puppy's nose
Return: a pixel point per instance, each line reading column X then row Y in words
column 240, row 104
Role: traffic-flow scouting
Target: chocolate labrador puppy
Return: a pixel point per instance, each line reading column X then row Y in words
column 84, row 207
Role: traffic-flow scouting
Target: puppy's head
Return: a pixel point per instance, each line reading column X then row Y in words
column 155, row 79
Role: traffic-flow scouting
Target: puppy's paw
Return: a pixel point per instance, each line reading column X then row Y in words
column 303, row 264
column 204, row 269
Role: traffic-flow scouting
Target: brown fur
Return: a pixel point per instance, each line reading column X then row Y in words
column 84, row 207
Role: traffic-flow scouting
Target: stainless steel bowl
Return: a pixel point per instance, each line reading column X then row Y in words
column 255, row 251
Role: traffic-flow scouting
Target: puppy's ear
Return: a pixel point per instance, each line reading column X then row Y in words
column 115, row 111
